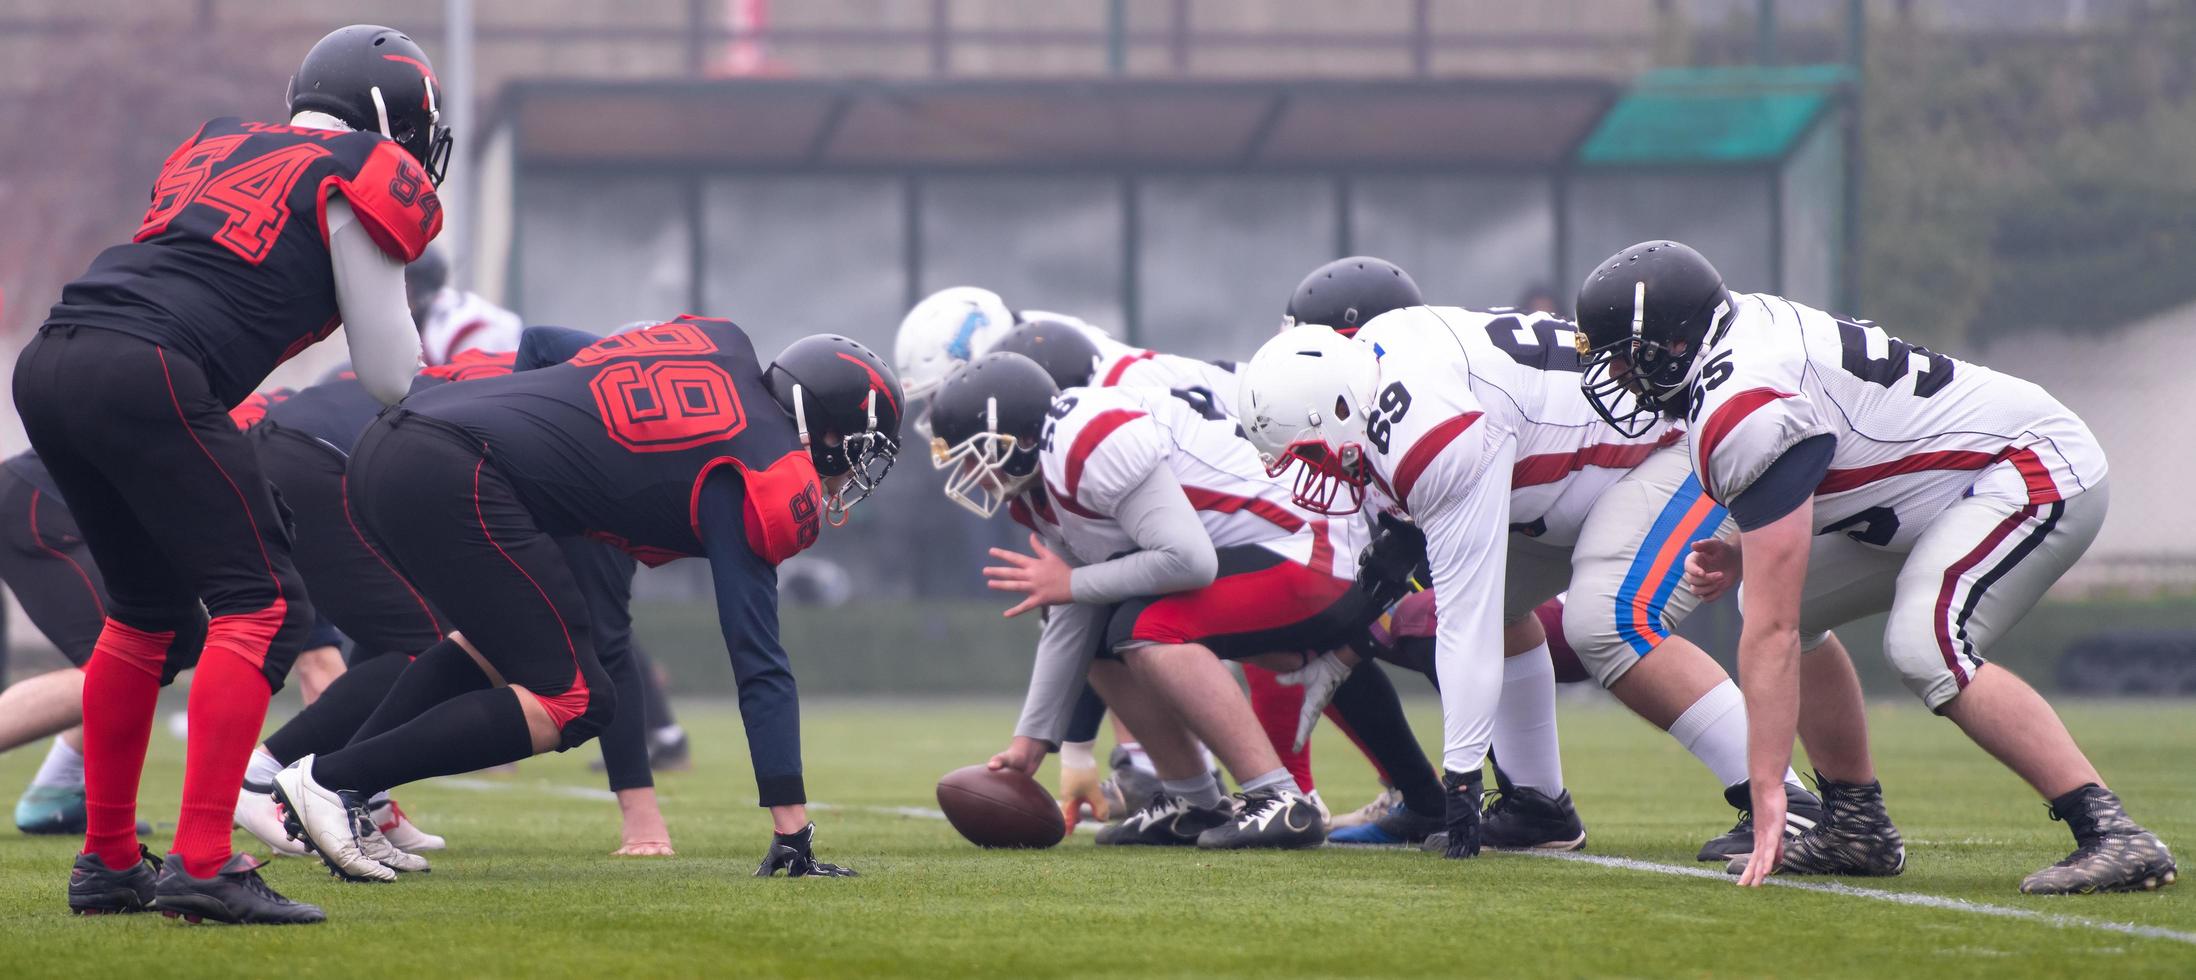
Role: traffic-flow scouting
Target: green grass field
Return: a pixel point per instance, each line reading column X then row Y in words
column 528, row 887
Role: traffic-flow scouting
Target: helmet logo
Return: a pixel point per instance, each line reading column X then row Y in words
column 876, row 381
column 958, row 348
column 427, row 103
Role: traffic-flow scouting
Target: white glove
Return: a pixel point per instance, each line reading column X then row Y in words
column 1319, row 678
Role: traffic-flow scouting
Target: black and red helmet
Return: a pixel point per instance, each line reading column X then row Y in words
column 377, row 80
column 846, row 403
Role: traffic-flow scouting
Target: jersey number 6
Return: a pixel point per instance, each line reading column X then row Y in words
column 668, row 405
column 1380, row 423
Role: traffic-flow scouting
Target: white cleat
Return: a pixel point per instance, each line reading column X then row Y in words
column 327, row 823
column 391, row 820
column 258, row 815
column 375, row 846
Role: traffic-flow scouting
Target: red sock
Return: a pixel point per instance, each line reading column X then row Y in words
column 228, row 705
column 121, row 689
column 1277, row 705
column 1335, row 716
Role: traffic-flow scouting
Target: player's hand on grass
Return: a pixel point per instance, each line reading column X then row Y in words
column 1713, row 568
column 1023, row 755
column 795, row 855
column 1041, row 577
column 645, row 848
column 1078, row 788
column 1768, row 835
column 1321, row 676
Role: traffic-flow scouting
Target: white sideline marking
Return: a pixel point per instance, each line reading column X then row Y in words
column 1602, row 860
column 1899, row 898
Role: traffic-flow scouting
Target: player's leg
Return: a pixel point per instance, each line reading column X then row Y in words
column 1975, row 571
column 1369, row 707
column 321, row 662
column 1846, row 580
column 1625, row 603
column 453, row 525
column 43, row 560
column 1185, row 800
column 1277, row 707
column 669, row 749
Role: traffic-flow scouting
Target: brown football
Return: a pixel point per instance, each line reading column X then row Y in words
column 1000, row 808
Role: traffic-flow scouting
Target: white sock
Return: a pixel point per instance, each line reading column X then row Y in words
column 64, row 767
column 1525, row 744
column 1714, row 731
column 668, row 734
column 261, row 770
column 1137, row 759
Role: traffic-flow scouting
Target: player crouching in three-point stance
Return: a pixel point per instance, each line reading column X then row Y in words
column 1188, row 553
column 1866, row 474
column 125, row 395
column 672, row 440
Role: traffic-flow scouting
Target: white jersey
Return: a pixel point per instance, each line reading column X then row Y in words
column 1100, row 444
column 1120, row 365
column 460, row 321
column 1515, row 373
column 1477, row 423
column 1915, row 429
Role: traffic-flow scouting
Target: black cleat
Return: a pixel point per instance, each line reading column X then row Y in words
column 1802, row 811
column 1520, row 818
column 1269, row 818
column 1462, row 795
column 95, row 889
column 234, row 895
column 1855, row 837
column 2112, row 853
column 1165, row 821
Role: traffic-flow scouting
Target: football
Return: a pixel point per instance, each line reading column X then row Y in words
column 1000, row 808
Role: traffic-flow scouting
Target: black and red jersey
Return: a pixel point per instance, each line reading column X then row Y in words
column 338, row 410
column 230, row 265
column 615, row 443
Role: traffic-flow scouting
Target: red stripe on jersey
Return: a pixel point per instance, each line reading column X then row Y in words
column 1068, row 504
column 1422, row 453
column 1120, row 367
column 1086, row 441
column 1839, row 481
column 1228, row 503
column 2042, row 489
column 1543, row 468
column 1724, row 420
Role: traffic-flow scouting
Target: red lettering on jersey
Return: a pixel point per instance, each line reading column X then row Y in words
column 668, row 405
column 256, row 196
column 1086, row 441
column 260, row 128
column 298, row 346
column 676, row 337
column 253, row 409
column 1720, row 424
column 1422, row 453
column 181, row 178
column 784, row 505
column 394, row 201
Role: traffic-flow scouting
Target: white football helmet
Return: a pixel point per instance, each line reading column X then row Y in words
column 1304, row 398
column 947, row 329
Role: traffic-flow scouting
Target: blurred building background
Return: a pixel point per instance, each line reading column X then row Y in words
column 2010, row 180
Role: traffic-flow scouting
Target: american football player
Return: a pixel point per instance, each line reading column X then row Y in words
column 1467, row 423
column 260, row 239
column 1866, row 474
column 452, row 320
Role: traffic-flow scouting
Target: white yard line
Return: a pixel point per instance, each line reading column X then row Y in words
column 1600, row 860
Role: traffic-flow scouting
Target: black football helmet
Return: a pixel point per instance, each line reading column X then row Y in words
column 377, row 80
column 1644, row 316
column 987, row 420
column 845, row 403
column 1346, row 294
column 1063, row 351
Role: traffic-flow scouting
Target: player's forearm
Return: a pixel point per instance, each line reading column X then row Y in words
column 1769, row 668
column 377, row 325
column 1174, row 553
column 1057, row 678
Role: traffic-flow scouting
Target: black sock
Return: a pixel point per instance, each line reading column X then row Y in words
column 472, row 731
column 1368, row 702
column 655, row 706
column 328, row 723
column 441, row 672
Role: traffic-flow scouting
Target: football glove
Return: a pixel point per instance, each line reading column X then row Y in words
column 1385, row 567
column 1464, row 795
column 1321, row 677
column 792, row 853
